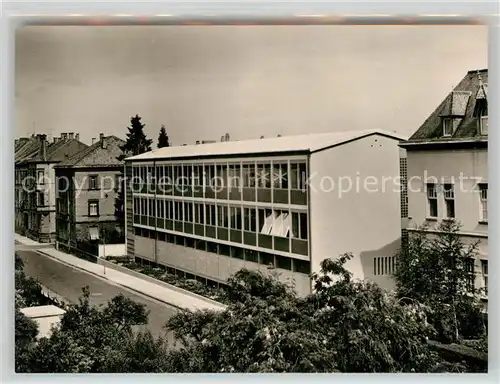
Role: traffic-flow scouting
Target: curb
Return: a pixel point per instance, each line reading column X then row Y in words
column 113, row 282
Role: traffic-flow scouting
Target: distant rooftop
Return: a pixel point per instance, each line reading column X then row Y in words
column 103, row 153
column 42, row 311
column 301, row 143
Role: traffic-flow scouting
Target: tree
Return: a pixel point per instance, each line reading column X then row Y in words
column 436, row 270
column 366, row 326
column 137, row 141
column 345, row 325
column 26, row 331
column 163, row 138
column 28, row 290
column 94, row 339
column 135, row 144
column 258, row 332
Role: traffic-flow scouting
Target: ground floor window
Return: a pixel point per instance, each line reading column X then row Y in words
column 268, row 259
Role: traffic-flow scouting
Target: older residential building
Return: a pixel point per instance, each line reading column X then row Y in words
column 35, row 183
column 446, row 168
column 282, row 204
column 86, row 193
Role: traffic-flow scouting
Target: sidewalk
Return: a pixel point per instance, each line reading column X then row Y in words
column 171, row 296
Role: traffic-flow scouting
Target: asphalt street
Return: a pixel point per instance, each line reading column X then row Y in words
column 68, row 282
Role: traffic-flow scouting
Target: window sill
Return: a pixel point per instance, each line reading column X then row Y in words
column 483, row 222
column 430, row 218
column 449, row 219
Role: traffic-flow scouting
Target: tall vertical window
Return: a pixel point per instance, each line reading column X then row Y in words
column 264, row 176
column 41, row 199
column 299, row 225
column 483, row 196
column 169, row 209
column 280, row 175
column 199, row 213
column 235, row 215
column 481, row 110
column 197, row 176
column 222, row 216
column 210, row 214
column 209, row 175
column 136, row 206
column 160, row 210
column 248, row 175
column 432, row 200
column 93, row 208
column 250, row 219
column 471, row 278
column 447, row 127
column 93, row 182
column 234, row 176
column 484, row 270
column 188, row 212
column 152, row 207
column 41, row 177
column 178, row 214
column 298, row 177
column 221, row 176
column 449, row 198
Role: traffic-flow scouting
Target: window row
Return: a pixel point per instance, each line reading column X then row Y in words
column 448, row 194
column 278, row 175
column 383, row 266
column 263, row 258
column 258, row 220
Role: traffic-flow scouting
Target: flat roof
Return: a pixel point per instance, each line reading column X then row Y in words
column 42, row 311
column 301, row 143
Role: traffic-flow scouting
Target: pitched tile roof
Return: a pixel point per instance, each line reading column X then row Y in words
column 459, row 104
column 59, row 151
column 96, row 155
column 28, row 150
column 299, row 143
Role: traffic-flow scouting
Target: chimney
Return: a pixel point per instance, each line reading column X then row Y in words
column 227, row 137
column 55, row 139
column 93, row 140
column 197, row 142
column 64, row 136
column 71, row 135
column 43, row 148
column 222, row 139
column 101, row 136
column 262, row 137
column 77, row 136
column 184, row 145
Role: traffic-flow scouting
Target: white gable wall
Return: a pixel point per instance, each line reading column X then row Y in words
column 365, row 220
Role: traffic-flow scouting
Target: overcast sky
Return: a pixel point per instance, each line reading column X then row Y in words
column 202, row 82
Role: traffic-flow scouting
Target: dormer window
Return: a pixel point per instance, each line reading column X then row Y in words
column 483, row 125
column 481, row 109
column 447, row 126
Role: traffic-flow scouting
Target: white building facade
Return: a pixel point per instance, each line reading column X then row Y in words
column 275, row 205
column 446, row 165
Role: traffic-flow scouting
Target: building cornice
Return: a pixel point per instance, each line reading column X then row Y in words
column 461, row 233
column 445, row 144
